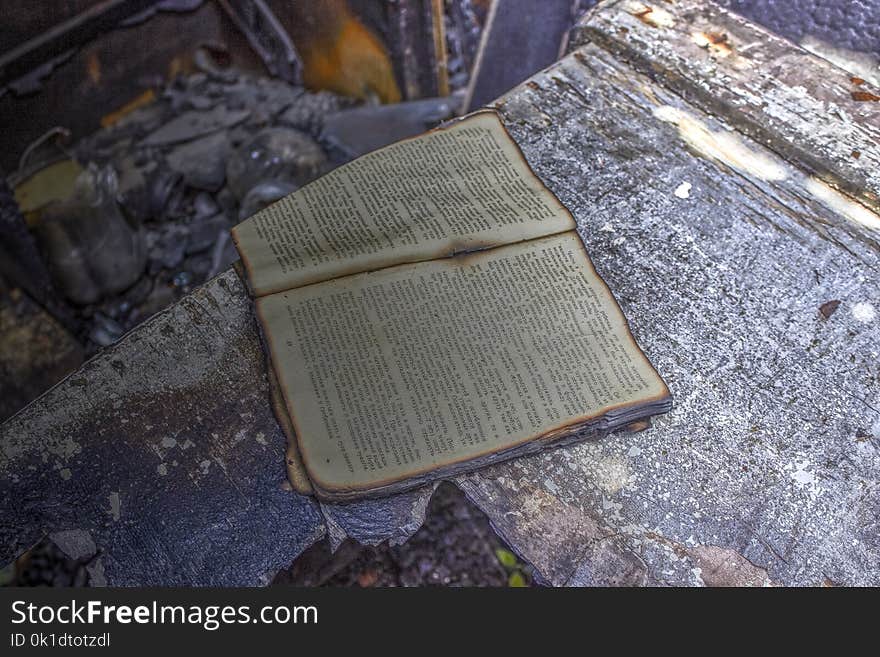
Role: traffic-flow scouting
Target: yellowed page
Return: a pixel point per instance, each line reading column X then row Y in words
column 296, row 472
column 458, row 188
column 408, row 369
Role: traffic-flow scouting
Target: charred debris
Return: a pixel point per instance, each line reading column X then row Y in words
column 105, row 230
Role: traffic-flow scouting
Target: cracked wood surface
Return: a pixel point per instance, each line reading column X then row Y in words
column 784, row 97
column 767, row 467
column 766, row 470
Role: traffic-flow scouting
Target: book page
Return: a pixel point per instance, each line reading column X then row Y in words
column 459, row 188
column 405, row 370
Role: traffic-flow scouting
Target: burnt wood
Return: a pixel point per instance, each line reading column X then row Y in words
column 162, row 457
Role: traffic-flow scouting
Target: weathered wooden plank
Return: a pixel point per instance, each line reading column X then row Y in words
column 796, row 103
column 161, row 456
column 767, row 468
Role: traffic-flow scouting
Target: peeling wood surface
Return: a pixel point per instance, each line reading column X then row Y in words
column 800, row 105
column 765, row 472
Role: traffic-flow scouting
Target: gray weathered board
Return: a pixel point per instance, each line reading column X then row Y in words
column 163, row 456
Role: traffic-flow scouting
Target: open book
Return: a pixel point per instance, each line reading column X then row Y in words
column 429, row 309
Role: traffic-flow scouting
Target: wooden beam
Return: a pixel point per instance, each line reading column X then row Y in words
column 799, row 105
column 162, row 455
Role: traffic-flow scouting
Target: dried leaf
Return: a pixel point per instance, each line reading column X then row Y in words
column 506, row 558
column 864, row 96
column 517, row 580
column 828, row 308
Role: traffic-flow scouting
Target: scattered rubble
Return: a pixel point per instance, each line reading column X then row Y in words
column 160, row 188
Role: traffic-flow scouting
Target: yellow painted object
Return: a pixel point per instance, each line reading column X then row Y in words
column 52, row 183
column 342, row 55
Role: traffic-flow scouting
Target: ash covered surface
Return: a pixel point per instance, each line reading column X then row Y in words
column 213, row 148
column 456, row 546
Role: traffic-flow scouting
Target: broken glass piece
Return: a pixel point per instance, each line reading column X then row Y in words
column 264, row 194
column 90, row 247
column 276, row 154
